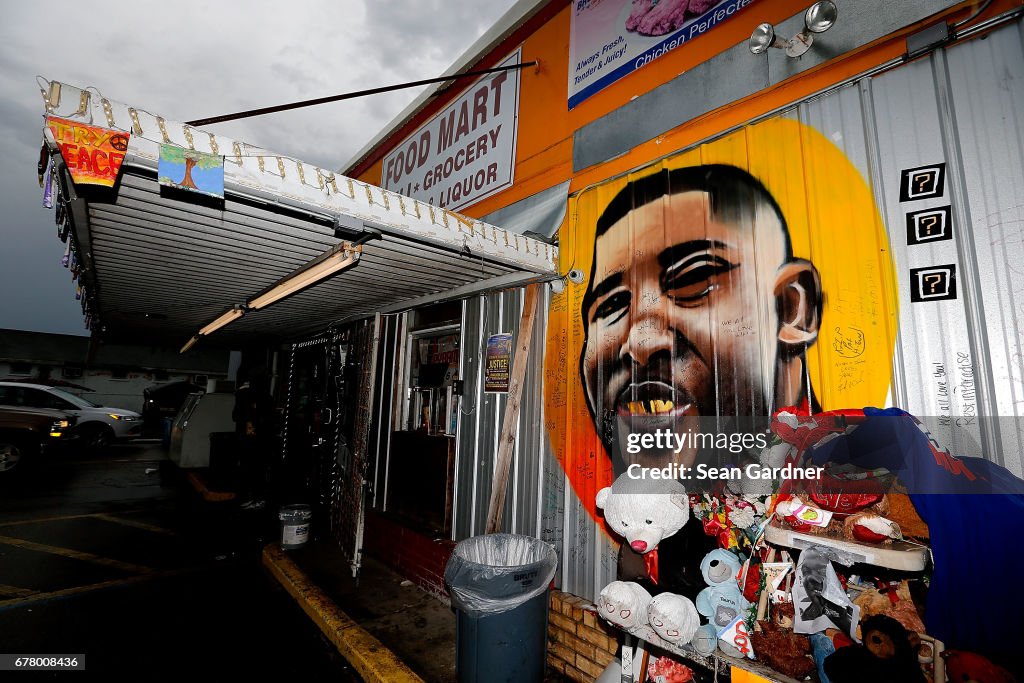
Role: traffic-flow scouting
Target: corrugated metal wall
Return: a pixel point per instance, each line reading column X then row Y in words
column 958, row 362
column 539, row 501
column 482, row 415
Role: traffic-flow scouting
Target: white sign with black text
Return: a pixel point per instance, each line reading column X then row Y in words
column 467, row 151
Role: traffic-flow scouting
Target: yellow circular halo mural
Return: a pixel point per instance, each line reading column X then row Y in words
column 722, row 283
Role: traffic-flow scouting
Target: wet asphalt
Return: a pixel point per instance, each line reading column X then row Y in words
column 116, row 558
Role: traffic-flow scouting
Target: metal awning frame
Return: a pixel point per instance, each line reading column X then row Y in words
column 134, row 242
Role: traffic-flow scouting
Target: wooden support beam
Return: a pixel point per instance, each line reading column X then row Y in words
column 507, row 438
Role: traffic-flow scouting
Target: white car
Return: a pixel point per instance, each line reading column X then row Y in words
column 98, row 426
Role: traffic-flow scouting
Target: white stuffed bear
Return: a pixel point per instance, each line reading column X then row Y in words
column 625, row 604
column 644, row 511
column 673, row 617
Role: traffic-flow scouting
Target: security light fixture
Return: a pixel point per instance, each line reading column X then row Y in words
column 336, row 260
column 819, row 17
column 229, row 317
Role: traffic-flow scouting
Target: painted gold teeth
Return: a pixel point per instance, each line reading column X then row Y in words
column 652, row 407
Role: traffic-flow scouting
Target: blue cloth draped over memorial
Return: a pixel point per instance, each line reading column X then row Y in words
column 974, row 509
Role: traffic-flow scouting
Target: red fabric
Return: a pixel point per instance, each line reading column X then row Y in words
column 651, row 563
column 753, row 582
column 866, row 535
column 712, row 527
column 856, row 494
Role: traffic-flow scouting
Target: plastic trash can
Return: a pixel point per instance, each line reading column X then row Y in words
column 294, row 525
column 499, row 589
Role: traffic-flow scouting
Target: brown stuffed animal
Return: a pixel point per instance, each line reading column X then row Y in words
column 783, row 614
column 783, row 650
column 887, row 655
column 875, row 601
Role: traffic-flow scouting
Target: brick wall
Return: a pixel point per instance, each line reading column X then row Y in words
column 419, row 558
column 580, row 644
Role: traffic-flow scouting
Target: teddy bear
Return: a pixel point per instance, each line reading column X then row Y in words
column 673, row 617
column 705, row 640
column 721, row 601
column 887, row 654
column 894, row 600
column 625, row 604
column 644, row 512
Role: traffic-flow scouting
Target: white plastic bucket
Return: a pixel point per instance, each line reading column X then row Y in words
column 294, row 525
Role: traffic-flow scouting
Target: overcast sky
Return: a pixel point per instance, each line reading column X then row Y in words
column 191, row 59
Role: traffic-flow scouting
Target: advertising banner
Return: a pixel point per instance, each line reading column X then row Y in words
column 187, row 169
column 499, row 363
column 92, row 154
column 464, row 153
column 613, row 38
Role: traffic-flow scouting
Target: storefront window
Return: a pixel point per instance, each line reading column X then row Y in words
column 433, row 371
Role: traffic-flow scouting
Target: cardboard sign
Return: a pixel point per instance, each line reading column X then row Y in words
column 735, row 634
column 92, row 154
column 498, row 363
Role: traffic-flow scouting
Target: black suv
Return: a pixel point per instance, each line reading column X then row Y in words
column 27, row 432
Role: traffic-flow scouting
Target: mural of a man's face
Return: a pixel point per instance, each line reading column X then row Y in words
column 694, row 309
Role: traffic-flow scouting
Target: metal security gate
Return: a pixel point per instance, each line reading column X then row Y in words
column 328, row 415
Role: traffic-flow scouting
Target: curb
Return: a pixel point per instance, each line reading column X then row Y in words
column 365, row 653
column 211, row 496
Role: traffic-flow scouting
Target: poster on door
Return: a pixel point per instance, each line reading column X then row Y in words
column 499, row 363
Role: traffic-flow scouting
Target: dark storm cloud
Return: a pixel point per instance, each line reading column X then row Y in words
column 192, row 59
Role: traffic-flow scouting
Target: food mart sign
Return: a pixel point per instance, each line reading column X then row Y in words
column 467, row 151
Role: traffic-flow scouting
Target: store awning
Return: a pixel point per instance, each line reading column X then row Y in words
column 157, row 265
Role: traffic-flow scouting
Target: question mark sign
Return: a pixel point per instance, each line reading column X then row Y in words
column 933, row 280
column 921, row 181
column 929, row 222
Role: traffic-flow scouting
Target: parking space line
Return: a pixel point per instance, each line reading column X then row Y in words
column 16, row 592
column 75, row 554
column 59, row 518
column 79, row 590
column 137, row 525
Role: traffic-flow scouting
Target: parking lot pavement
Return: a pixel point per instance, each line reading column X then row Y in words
column 116, row 558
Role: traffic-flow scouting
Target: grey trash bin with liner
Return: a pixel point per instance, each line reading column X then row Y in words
column 499, row 588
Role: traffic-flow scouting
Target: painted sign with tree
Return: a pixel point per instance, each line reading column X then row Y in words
column 187, row 169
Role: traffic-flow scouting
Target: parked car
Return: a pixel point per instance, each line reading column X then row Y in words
column 27, row 432
column 98, row 426
column 165, row 400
